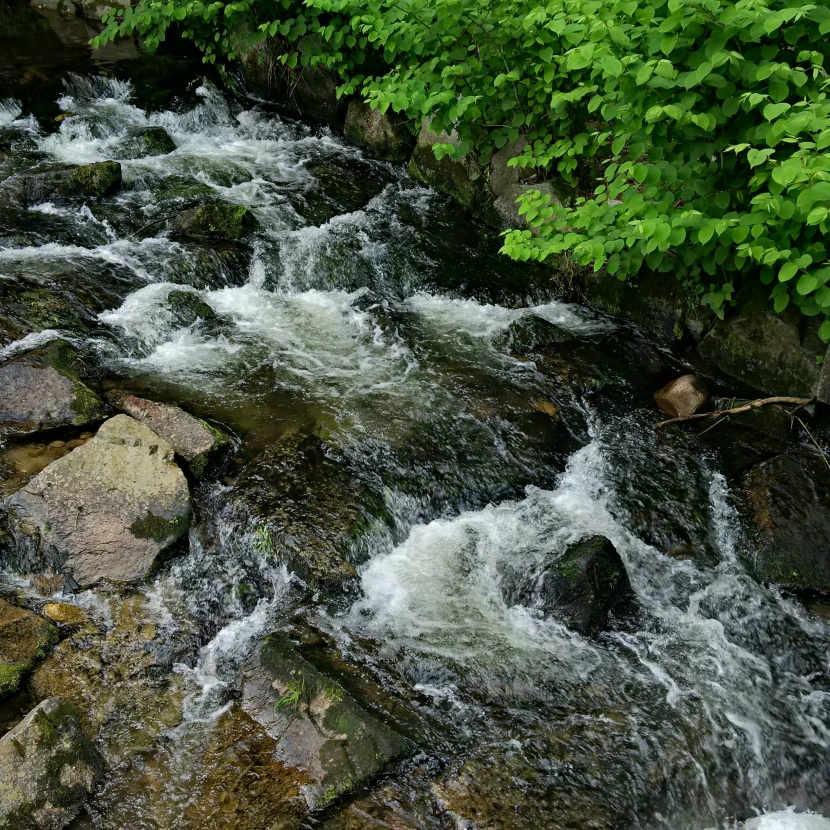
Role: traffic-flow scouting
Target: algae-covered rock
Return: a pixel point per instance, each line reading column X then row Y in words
column 148, row 141
column 789, row 501
column 221, row 221
column 775, row 353
column 25, row 638
column 193, row 439
column 188, row 307
column 106, row 510
column 586, row 585
column 42, row 389
column 65, row 615
column 380, row 133
column 318, row 727
column 102, row 178
column 309, row 508
column 48, row 769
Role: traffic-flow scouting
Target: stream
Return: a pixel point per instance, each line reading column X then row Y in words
column 485, row 425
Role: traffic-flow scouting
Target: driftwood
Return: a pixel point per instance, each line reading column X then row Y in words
column 756, row 404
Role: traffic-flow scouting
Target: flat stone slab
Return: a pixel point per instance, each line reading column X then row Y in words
column 106, row 510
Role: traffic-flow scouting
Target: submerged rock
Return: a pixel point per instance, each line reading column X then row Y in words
column 789, row 501
column 48, row 769
column 310, row 510
column 105, row 511
column 42, row 389
column 188, row 307
column 215, row 221
column 586, row 585
column 25, row 638
column 103, row 178
column 193, row 439
column 382, row 134
column 317, row 726
column 682, row 397
column 149, row 141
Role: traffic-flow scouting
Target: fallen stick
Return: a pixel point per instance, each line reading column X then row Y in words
column 756, row 404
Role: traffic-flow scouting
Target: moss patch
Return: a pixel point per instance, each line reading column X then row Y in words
column 159, row 529
column 102, row 178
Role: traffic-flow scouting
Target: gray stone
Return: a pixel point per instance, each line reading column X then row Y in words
column 106, row 510
column 316, row 724
column 41, row 389
column 682, row 397
column 382, row 134
column 149, row 141
column 25, row 638
column 192, row 438
column 788, row 499
column 220, row 221
column 775, row 353
column 48, row 769
column 103, row 178
column 822, row 390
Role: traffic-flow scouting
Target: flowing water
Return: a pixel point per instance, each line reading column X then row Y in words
column 367, row 311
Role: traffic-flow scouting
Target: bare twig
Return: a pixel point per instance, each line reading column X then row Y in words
column 747, row 407
column 821, row 450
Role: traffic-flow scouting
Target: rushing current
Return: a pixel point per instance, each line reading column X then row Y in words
column 366, row 310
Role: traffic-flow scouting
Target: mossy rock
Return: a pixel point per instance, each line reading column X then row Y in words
column 220, row 221
column 86, row 181
column 149, row 141
column 25, row 638
column 381, row 134
column 188, row 307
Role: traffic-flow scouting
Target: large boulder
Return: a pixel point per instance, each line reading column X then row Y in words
column 586, row 585
column 195, row 440
column 48, row 769
column 308, row 509
column 776, row 353
column 105, row 511
column 42, row 389
column 25, row 638
column 380, row 133
column 102, row 178
column 788, row 499
column 318, row 727
column 220, row 221
column 147, row 141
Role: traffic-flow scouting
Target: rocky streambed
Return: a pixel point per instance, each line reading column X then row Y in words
column 317, row 512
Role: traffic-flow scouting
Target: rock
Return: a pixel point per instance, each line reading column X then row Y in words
column 220, row 221
column 788, row 498
column 307, row 508
column 48, row 769
column 586, row 585
column 188, row 307
column 86, row 181
column 105, row 511
column 822, row 390
column 384, row 135
column 460, row 179
column 316, row 724
column 682, row 397
column 25, row 638
column 65, row 615
column 148, row 141
column 775, row 353
column 42, row 389
column 193, row 439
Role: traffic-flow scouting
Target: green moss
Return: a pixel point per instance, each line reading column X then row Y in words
column 159, row 529
column 225, row 221
column 100, row 179
column 86, row 405
column 327, row 798
column 10, row 676
column 569, row 569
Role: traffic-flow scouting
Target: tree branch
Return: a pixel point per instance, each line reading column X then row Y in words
column 747, row 407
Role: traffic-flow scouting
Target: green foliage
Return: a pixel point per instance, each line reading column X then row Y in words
column 293, row 697
column 696, row 133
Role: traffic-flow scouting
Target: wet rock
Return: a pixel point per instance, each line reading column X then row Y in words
column 586, row 585
column 319, row 728
column 188, row 307
column 149, row 141
column 460, row 179
column 25, row 638
column 42, row 389
column 788, row 498
column 65, row 615
column 105, row 511
column 193, row 439
column 682, row 397
column 220, row 221
column 21, row 461
column 48, row 769
column 309, row 510
column 381, row 134
column 775, row 353
column 86, row 181
column 27, row 308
